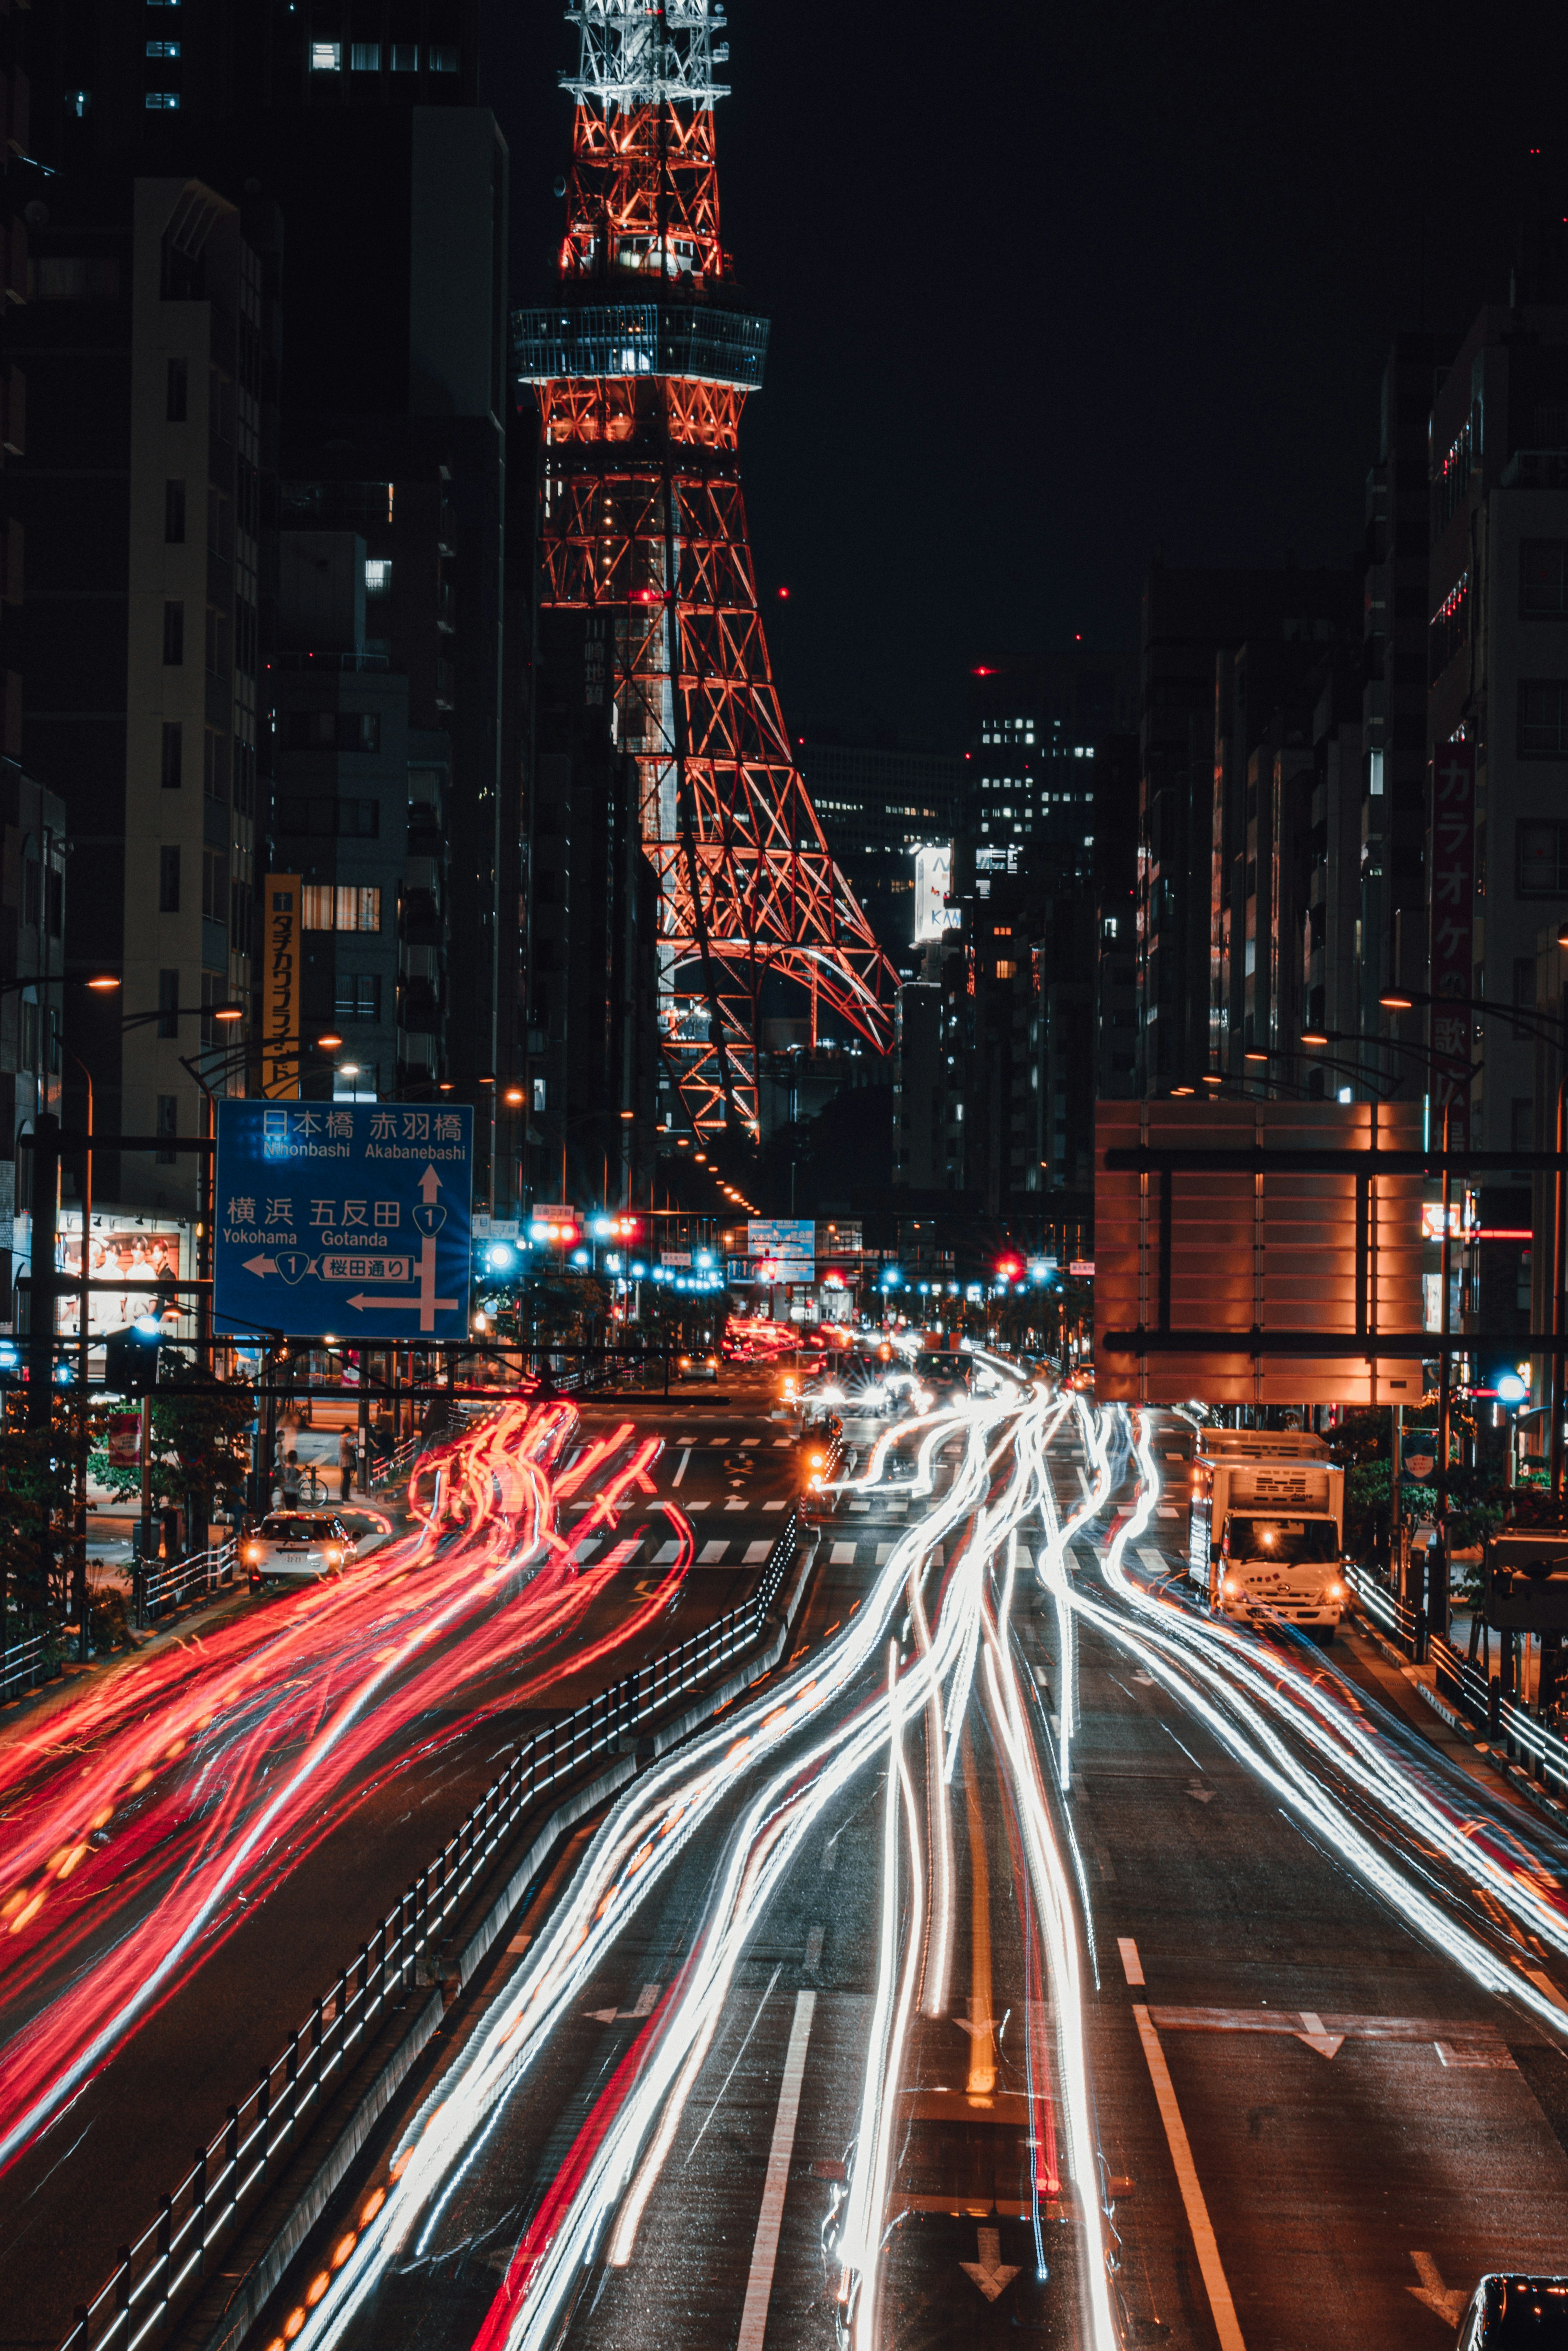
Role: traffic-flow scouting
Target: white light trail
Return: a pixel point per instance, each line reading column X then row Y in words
column 1205, row 1668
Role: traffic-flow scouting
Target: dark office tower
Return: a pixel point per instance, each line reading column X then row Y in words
column 1392, row 892
column 1116, row 918
column 1265, row 813
column 132, row 80
column 878, row 801
column 33, row 822
column 358, row 128
column 1497, row 647
column 393, row 431
column 1033, row 727
column 1198, row 841
column 150, row 348
column 594, row 928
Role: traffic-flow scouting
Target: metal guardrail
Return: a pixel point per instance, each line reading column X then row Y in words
column 1479, row 1695
column 396, row 1462
column 168, row 1583
column 26, row 1664
column 134, row 2303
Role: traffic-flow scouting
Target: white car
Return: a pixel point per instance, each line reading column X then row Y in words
column 297, row 1547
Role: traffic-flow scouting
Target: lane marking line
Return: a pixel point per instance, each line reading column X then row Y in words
column 769, row 2221
column 1132, row 1966
column 1198, row 2221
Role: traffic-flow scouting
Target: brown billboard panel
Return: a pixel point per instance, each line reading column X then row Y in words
column 1269, row 1250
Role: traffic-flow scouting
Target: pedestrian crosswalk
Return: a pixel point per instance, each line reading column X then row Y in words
column 863, row 1551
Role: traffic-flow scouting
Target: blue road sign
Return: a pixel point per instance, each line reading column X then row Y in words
column 350, row 1217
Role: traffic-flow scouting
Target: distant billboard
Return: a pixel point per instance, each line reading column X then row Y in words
column 934, row 880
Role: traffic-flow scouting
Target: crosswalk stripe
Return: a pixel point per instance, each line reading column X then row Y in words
column 842, row 1554
column 775, row 1505
column 1156, row 1562
column 711, row 1552
column 756, row 1552
column 665, row 1553
column 884, row 1553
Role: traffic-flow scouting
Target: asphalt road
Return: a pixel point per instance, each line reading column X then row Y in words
column 1367, row 2128
column 717, row 2259
column 1313, row 2126
column 93, row 2179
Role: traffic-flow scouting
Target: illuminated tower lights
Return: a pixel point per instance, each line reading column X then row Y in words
column 641, row 368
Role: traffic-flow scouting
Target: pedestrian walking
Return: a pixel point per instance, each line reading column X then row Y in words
column 347, row 1453
column 290, row 1481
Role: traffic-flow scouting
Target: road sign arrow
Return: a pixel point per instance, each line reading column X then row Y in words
column 430, row 1184
column 990, row 2272
column 362, row 1299
column 260, row 1265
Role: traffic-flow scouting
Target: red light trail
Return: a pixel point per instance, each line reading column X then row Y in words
column 146, row 1818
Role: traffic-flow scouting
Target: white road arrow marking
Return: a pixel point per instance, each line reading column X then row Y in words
column 1203, row 1795
column 1327, row 2044
column 646, row 2003
column 1444, row 2301
column 990, row 2272
column 975, row 2026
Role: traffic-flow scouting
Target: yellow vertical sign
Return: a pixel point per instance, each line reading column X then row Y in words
column 282, row 977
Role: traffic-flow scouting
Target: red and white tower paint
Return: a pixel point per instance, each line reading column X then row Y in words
column 641, row 366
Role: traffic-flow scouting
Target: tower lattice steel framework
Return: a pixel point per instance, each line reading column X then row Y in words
column 641, row 368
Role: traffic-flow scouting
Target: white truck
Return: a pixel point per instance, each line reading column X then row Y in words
column 1267, row 1536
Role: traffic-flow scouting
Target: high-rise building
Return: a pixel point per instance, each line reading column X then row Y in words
column 1392, row 894
column 151, row 344
column 1497, row 643
column 878, row 802
column 130, row 84
column 1266, row 919
column 1198, row 844
column 385, row 408
column 1035, row 726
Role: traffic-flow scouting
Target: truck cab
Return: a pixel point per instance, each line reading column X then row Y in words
column 1267, row 1539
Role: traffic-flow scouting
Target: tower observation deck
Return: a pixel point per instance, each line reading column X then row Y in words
column 641, row 366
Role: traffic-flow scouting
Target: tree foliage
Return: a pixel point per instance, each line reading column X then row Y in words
column 200, row 1449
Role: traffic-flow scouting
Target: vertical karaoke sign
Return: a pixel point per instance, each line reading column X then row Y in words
column 1453, row 934
column 282, row 963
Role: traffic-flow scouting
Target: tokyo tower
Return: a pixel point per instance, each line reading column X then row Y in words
column 641, row 366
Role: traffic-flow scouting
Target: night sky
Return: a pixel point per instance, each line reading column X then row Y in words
column 1052, row 290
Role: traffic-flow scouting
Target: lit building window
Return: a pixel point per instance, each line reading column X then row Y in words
column 365, row 57
column 405, row 57
column 162, row 48
column 337, row 908
column 163, row 101
column 377, row 576
column 326, row 57
column 443, row 60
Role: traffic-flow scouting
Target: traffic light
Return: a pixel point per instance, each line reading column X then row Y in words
column 130, row 1358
